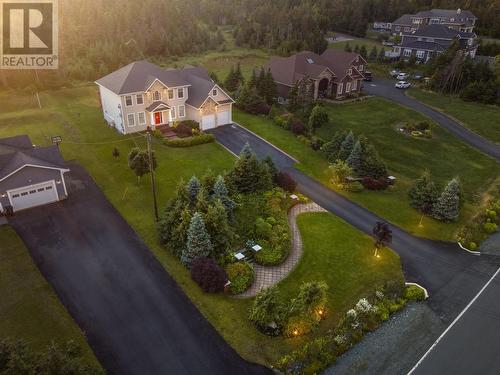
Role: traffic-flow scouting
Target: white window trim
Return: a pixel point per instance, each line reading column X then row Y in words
column 131, row 100
column 183, row 94
column 137, row 96
column 420, row 54
column 179, row 111
column 128, row 120
column 139, row 118
column 214, row 92
column 407, row 52
column 361, row 68
column 173, row 112
column 349, row 71
column 340, row 88
column 168, row 94
column 159, row 93
column 354, row 85
column 348, row 87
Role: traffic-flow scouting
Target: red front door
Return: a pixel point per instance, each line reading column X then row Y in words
column 158, row 118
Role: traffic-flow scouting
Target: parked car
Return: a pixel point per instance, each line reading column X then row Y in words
column 402, row 76
column 368, row 76
column 387, row 43
column 394, row 72
column 417, row 76
column 402, row 84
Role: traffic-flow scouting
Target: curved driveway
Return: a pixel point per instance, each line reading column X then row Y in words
column 451, row 275
column 385, row 88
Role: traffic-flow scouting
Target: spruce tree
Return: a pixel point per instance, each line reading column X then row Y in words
column 372, row 165
column 193, row 189
column 318, row 117
column 271, row 92
column 246, row 172
column 363, row 52
column 253, row 80
column 355, row 159
column 221, row 193
column 261, row 81
column 293, row 98
column 356, row 49
column 273, row 170
column 331, row 149
column 346, row 146
column 218, row 228
column 198, row 241
column 423, row 193
column 447, row 207
column 202, row 201
column 230, row 83
column 381, row 55
column 239, row 75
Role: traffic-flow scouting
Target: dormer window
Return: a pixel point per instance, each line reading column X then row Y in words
column 214, row 92
column 180, row 93
column 156, row 95
column 349, row 71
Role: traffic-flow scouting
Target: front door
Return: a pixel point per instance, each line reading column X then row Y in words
column 158, row 118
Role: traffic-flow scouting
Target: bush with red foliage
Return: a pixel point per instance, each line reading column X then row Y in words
column 185, row 128
column 374, row 184
column 298, row 127
column 208, row 275
column 286, row 182
column 263, row 109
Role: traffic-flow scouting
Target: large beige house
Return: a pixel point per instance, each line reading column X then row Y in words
column 142, row 95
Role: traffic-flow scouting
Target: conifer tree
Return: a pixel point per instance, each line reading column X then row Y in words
column 355, row 159
column 239, row 75
column 423, row 193
column 270, row 89
column 198, row 241
column 381, row 55
column 253, row 80
column 217, row 226
column 363, row 52
column 346, row 146
column 347, row 47
column 230, row 83
column 373, row 54
column 273, row 170
column 248, row 175
column 331, row 149
column 221, row 193
column 447, row 207
column 193, row 189
column 356, row 49
column 318, row 117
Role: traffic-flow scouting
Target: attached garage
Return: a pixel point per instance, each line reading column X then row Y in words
column 208, row 122
column 33, row 196
column 30, row 176
column 223, row 118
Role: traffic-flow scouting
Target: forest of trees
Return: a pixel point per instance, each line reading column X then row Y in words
column 98, row 36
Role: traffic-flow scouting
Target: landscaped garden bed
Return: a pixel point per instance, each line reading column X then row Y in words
column 420, row 129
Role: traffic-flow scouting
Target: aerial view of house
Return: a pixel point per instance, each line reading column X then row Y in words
column 249, row 187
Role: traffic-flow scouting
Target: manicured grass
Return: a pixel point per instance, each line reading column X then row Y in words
column 29, row 308
column 406, row 158
column 75, row 115
column 481, row 118
column 339, row 254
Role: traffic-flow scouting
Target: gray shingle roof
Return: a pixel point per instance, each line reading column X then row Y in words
column 447, row 13
column 440, row 31
column 157, row 104
column 403, row 20
column 423, row 45
column 16, row 152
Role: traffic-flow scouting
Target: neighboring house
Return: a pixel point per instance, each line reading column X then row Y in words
column 142, row 95
column 30, row 176
column 431, row 40
column 334, row 74
column 382, row 26
column 460, row 20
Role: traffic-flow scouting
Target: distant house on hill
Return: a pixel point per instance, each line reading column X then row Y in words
column 333, row 74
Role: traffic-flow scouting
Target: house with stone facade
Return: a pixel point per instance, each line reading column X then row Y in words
column 143, row 95
column 334, row 74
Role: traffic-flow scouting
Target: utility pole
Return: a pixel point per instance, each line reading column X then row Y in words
column 152, row 173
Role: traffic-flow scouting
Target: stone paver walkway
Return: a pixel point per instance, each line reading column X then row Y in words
column 269, row 276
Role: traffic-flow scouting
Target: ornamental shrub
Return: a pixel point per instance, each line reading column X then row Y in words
column 190, row 141
column 268, row 311
column 447, row 207
column 355, row 187
column 490, row 227
column 373, row 184
column 185, row 129
column 298, row 127
column 414, row 293
column 262, row 228
column 198, row 241
column 208, row 275
column 286, row 182
column 241, row 276
column 316, row 143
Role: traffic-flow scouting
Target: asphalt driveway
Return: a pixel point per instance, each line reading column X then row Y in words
column 385, row 88
column 451, row 275
column 136, row 318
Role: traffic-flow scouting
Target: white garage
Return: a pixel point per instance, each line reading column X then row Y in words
column 34, row 195
column 207, row 122
column 223, row 118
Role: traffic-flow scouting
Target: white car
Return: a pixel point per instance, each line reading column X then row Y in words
column 394, row 73
column 402, row 85
column 402, row 76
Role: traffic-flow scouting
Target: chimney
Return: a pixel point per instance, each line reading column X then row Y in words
column 459, row 11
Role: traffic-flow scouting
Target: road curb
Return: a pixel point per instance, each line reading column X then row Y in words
column 269, row 143
column 426, row 293
column 469, row 251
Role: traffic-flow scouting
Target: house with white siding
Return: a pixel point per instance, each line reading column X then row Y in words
column 142, row 95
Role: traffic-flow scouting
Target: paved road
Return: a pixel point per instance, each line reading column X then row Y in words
column 136, row 318
column 385, row 88
column 471, row 345
column 451, row 275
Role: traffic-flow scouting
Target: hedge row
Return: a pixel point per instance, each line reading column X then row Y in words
column 190, row 141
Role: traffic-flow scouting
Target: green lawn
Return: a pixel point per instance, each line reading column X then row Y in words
column 29, row 308
column 481, row 118
column 338, row 253
column 75, row 115
column 406, row 158
column 368, row 43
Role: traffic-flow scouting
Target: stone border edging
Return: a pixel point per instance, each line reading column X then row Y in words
column 469, row 251
column 426, row 293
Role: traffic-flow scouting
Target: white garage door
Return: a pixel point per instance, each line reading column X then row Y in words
column 34, row 195
column 208, row 122
column 223, row 118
